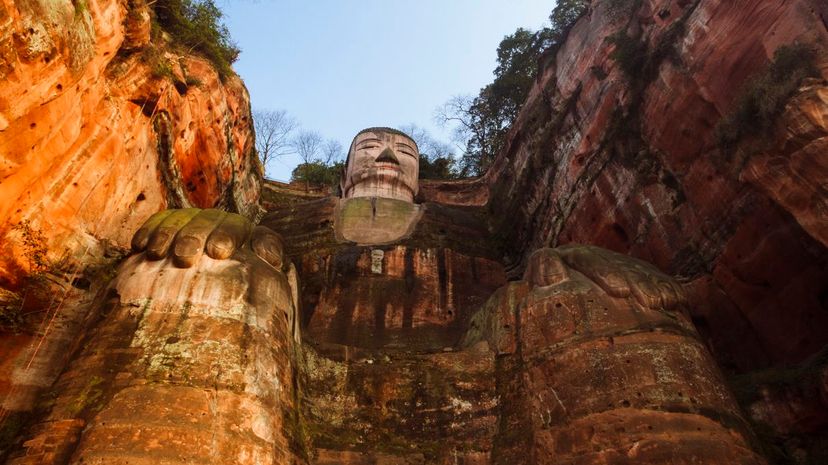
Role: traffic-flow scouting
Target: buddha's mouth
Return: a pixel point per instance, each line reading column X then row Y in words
column 381, row 170
column 388, row 166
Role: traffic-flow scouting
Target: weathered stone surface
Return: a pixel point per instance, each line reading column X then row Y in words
column 413, row 299
column 793, row 171
column 473, row 192
column 93, row 139
column 593, row 358
column 601, row 365
column 631, row 163
column 399, row 407
column 188, row 365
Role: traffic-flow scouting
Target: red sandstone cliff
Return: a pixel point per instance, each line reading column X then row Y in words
column 100, row 127
column 636, row 164
column 633, row 164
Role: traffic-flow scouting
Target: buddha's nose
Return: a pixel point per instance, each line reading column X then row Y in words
column 387, row 156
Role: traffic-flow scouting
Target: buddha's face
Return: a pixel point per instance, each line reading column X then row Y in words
column 382, row 164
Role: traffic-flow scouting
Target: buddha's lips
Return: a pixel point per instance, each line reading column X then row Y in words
column 388, row 166
column 379, row 168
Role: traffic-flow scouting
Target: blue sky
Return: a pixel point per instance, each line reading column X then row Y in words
column 341, row 66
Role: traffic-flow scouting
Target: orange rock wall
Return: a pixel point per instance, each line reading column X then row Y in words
column 93, row 140
column 747, row 232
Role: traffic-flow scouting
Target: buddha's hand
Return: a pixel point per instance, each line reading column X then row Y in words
column 188, row 233
column 623, row 276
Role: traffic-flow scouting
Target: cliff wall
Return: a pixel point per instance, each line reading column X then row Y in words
column 620, row 144
column 103, row 123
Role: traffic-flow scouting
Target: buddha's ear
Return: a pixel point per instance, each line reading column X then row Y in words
column 342, row 172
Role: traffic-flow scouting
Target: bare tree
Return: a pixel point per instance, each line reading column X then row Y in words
column 332, row 152
column 478, row 131
column 308, row 145
column 455, row 112
column 274, row 129
column 437, row 159
column 428, row 145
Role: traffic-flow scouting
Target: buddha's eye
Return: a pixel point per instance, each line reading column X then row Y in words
column 407, row 153
column 369, row 147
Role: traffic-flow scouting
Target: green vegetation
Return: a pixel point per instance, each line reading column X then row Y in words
column 89, row 397
column 640, row 63
column 438, row 167
column 318, row 173
column 34, row 246
column 11, row 312
column 563, row 17
column 620, row 8
column 197, row 25
column 629, row 53
column 484, row 121
column 80, row 7
column 159, row 66
column 765, row 96
column 193, row 81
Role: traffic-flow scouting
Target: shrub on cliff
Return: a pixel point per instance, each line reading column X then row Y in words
column 438, row 167
column 765, row 96
column 197, row 25
column 318, row 173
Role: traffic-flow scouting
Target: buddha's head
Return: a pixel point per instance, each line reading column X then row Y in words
column 382, row 162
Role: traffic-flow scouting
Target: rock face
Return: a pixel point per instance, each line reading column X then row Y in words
column 598, row 363
column 186, row 366
column 590, row 359
column 632, row 163
column 100, row 128
column 446, row 331
column 382, row 377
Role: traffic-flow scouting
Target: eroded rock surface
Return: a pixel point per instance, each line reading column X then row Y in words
column 187, row 365
column 100, row 128
column 591, row 358
column 599, row 363
column 632, row 163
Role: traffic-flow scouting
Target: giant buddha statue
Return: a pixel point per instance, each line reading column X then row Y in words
column 369, row 329
column 382, row 163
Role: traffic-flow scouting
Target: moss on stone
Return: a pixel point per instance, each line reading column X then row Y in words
column 88, row 398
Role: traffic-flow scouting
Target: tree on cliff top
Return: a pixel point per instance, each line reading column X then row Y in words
column 436, row 158
column 197, row 24
column 274, row 129
column 482, row 122
column 322, row 162
column 308, row 145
